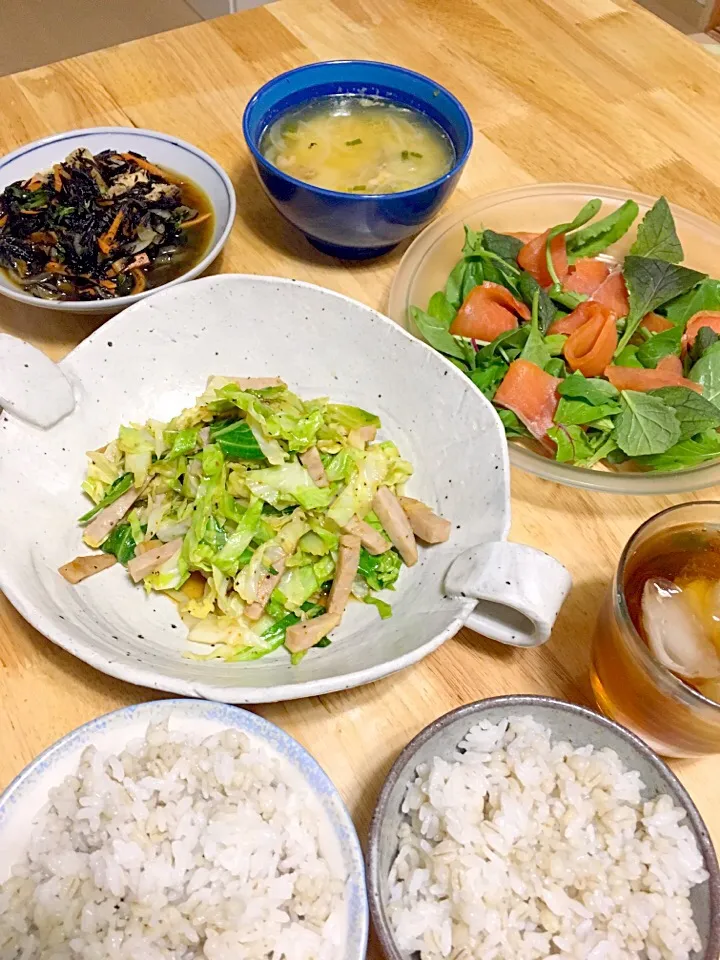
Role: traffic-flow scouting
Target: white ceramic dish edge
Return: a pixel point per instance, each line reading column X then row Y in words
column 23, row 799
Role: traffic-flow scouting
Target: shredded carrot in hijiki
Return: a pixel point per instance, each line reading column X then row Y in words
column 107, row 240
column 195, row 221
column 140, row 281
column 146, row 165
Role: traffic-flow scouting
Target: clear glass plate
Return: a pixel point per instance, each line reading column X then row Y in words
column 431, row 257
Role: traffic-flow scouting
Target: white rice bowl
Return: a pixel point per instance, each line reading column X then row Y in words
column 519, row 848
column 178, row 848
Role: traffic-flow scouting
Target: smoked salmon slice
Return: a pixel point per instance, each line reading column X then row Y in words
column 532, row 258
column 612, row 293
column 586, row 276
column 590, row 348
column 569, row 324
column 487, row 311
column 655, row 323
column 633, row 378
column 531, row 394
column 705, row 318
column 670, row 364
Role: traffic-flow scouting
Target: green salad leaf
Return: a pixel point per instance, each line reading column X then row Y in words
column 593, row 390
column 454, row 283
column 704, row 296
column 590, row 209
column 660, row 345
column 690, row 452
column 502, row 244
column 706, row 372
column 580, row 412
column 705, row 339
column 529, row 288
column 657, row 236
column 695, row 413
column 436, row 333
column 535, row 349
column 646, row 425
column 488, row 377
column 652, row 283
column 572, row 443
column 601, row 234
column 512, row 424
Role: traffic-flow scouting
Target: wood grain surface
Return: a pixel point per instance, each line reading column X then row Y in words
column 585, row 90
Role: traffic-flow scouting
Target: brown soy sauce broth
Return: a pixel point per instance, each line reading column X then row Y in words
column 682, row 555
column 197, row 239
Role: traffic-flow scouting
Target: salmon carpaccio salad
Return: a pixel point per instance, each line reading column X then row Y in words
column 586, row 359
column 261, row 514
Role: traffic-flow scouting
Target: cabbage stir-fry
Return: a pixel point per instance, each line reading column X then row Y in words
column 259, row 513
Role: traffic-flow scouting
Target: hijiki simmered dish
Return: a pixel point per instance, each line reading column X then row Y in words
column 260, row 513
column 100, row 227
column 588, row 360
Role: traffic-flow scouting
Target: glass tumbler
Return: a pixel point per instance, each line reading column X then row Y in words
column 630, row 686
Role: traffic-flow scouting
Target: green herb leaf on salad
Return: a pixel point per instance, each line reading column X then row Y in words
column 645, row 425
column 580, row 412
column 591, row 389
column 590, row 209
column 705, row 339
column 502, row 244
column 657, row 236
column 598, row 236
column 705, row 296
column 706, row 372
column 690, row 452
column 660, row 345
column 695, row 414
column 652, row 283
column 436, row 333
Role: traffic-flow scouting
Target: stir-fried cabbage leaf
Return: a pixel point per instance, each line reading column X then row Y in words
column 252, row 526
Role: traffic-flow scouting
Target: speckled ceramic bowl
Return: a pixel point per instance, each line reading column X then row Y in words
column 567, row 722
column 24, row 799
column 152, row 361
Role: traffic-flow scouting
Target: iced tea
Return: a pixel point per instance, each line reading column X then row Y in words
column 656, row 652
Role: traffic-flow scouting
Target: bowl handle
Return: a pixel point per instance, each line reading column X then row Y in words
column 519, row 591
column 32, row 387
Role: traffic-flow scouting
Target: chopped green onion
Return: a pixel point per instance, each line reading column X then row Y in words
column 353, row 143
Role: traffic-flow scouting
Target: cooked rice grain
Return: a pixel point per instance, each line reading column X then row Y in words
column 518, row 848
column 176, row 849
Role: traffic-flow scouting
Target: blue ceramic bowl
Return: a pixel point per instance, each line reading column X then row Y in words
column 351, row 225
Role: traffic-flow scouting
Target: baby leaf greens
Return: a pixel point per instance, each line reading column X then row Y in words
column 652, row 391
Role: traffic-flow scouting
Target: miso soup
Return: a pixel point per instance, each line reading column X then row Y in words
column 357, row 144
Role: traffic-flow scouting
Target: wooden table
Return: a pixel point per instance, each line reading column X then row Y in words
column 587, row 90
